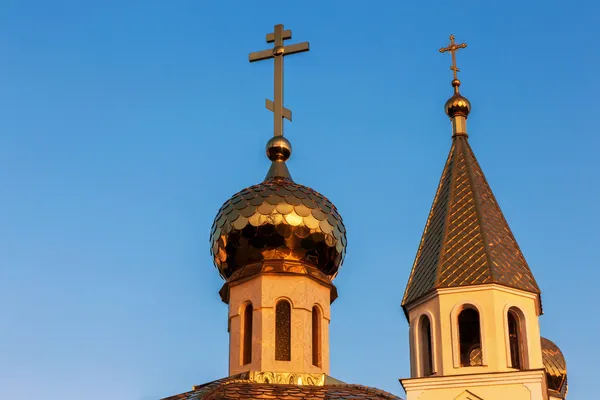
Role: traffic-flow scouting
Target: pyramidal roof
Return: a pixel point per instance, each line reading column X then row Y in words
column 466, row 240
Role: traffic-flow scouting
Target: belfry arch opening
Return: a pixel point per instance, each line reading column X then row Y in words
column 516, row 338
column 425, row 343
column 469, row 337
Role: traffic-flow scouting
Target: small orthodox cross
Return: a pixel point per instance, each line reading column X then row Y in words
column 453, row 48
column 277, row 53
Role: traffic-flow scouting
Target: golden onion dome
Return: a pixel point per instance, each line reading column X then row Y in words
column 556, row 368
column 278, row 220
column 457, row 105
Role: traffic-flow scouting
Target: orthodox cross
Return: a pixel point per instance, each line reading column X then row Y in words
column 277, row 53
column 453, row 48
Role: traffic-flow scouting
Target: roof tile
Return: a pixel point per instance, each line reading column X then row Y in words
column 234, row 388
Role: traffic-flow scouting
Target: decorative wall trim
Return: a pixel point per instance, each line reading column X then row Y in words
column 484, row 379
column 273, row 267
column 477, row 288
column 473, row 288
column 288, row 378
column 466, row 395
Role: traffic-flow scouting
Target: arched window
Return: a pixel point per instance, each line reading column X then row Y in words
column 316, row 336
column 283, row 331
column 469, row 337
column 425, row 345
column 247, row 335
column 515, row 339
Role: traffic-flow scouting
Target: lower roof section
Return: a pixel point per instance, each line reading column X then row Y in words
column 243, row 387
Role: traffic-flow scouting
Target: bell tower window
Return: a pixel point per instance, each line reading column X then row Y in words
column 316, row 336
column 469, row 336
column 425, row 345
column 283, row 328
column 247, row 335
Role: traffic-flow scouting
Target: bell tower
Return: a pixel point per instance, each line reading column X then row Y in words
column 471, row 301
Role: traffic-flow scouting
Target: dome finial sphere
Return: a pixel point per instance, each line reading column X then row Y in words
column 279, row 149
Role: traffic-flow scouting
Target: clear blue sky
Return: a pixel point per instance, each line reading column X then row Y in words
column 125, row 125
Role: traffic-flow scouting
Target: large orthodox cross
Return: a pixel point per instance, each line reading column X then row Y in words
column 278, row 52
column 453, row 48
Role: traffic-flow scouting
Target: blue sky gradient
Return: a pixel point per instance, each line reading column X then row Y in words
column 125, row 125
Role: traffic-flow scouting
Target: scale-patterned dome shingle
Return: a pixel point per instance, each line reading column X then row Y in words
column 278, row 220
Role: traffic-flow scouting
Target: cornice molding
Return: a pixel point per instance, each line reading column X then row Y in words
column 484, row 379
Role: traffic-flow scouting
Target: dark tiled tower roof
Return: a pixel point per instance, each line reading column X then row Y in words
column 466, row 240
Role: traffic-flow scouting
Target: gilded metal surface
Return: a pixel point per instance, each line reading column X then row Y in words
column 278, row 220
column 467, row 240
column 278, row 169
column 457, row 104
column 278, row 52
column 288, row 378
column 245, row 386
column 277, row 267
column 453, row 48
column 278, row 149
column 556, row 368
column 280, row 267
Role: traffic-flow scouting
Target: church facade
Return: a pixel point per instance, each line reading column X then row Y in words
column 471, row 301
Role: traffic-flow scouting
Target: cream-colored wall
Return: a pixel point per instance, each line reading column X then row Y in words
column 431, row 310
column 264, row 291
column 528, row 385
column 492, row 302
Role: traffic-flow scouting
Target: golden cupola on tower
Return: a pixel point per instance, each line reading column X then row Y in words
column 278, row 225
column 457, row 105
column 278, row 220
